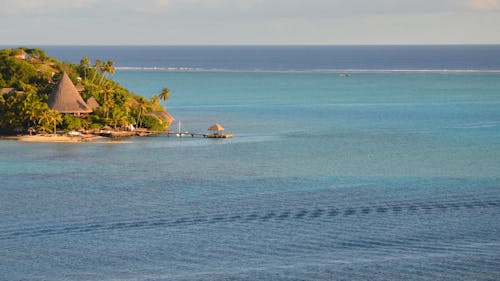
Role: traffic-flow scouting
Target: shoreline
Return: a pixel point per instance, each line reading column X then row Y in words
column 52, row 138
column 101, row 136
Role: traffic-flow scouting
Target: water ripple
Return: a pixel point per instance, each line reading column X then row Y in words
column 327, row 212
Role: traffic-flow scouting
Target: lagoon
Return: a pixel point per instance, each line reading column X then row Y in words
column 381, row 176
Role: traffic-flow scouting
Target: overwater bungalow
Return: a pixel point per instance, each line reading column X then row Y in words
column 217, row 131
column 66, row 99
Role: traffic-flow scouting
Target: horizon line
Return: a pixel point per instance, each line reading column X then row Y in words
column 249, row 45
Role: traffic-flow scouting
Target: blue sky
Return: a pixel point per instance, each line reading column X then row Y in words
column 247, row 22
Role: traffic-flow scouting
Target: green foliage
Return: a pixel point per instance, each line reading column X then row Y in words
column 34, row 78
column 153, row 123
column 14, row 72
column 36, row 53
column 71, row 123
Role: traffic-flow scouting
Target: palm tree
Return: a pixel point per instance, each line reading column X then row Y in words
column 118, row 117
column 97, row 68
column 56, row 118
column 107, row 68
column 85, row 63
column 142, row 102
column 49, row 118
column 165, row 94
column 107, row 98
column 155, row 102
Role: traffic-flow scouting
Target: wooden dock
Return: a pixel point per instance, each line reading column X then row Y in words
column 200, row 135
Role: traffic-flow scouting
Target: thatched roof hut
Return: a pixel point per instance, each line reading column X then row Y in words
column 163, row 115
column 92, row 103
column 20, row 54
column 216, row 127
column 66, row 99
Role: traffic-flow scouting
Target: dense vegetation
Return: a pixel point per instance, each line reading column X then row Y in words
column 34, row 77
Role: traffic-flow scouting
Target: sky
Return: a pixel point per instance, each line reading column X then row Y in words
column 249, row 22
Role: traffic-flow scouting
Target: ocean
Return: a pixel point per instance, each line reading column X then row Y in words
column 391, row 173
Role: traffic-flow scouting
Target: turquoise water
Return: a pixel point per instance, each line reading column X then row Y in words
column 376, row 176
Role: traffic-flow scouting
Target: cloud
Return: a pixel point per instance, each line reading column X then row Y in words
column 41, row 7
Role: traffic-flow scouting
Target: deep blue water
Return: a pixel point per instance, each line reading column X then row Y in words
column 376, row 176
column 290, row 58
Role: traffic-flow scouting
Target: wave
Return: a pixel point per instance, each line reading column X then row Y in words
column 257, row 70
column 277, row 215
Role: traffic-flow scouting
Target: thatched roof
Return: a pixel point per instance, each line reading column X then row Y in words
column 163, row 115
column 4, row 91
column 216, row 127
column 20, row 54
column 65, row 98
column 92, row 103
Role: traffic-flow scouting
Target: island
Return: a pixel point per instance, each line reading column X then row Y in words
column 44, row 99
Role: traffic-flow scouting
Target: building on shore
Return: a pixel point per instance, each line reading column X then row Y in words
column 20, row 54
column 92, row 103
column 66, row 99
column 163, row 116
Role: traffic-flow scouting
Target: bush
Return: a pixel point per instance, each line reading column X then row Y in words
column 71, row 123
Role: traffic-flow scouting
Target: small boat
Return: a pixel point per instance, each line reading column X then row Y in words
column 181, row 134
column 344, row 74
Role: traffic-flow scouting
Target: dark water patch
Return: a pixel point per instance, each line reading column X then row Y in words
column 268, row 216
column 365, row 211
column 479, row 204
column 234, row 218
column 333, row 212
column 353, row 244
column 425, row 207
column 349, row 212
column 441, row 207
column 301, row 214
column 216, row 219
column 284, row 215
column 180, row 221
column 317, row 213
column 397, row 209
column 199, row 220
column 161, row 222
column 468, row 205
column 252, row 217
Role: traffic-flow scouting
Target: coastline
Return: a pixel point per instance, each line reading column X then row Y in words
column 53, row 138
column 99, row 136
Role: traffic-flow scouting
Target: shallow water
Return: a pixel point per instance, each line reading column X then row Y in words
column 375, row 176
